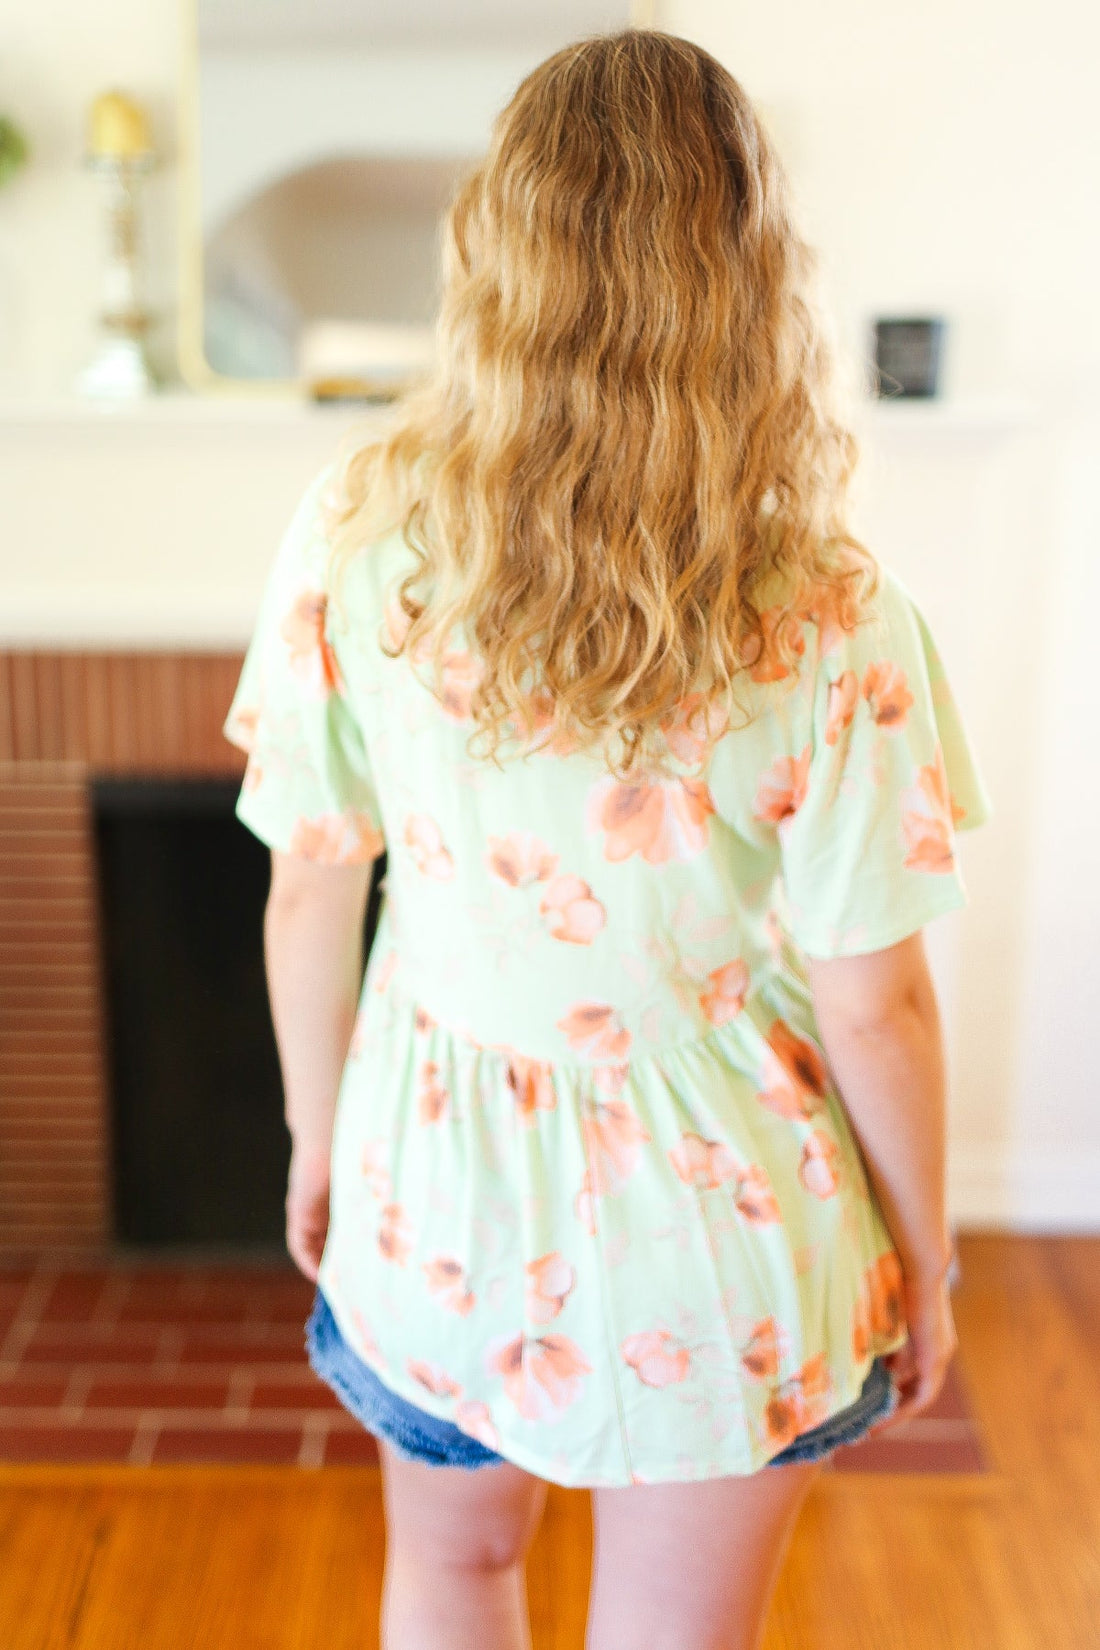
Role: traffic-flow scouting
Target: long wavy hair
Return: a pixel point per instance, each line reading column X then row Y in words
column 624, row 479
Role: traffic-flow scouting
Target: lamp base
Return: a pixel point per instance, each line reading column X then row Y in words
column 118, row 370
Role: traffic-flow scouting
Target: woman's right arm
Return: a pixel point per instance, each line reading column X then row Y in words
column 880, row 1027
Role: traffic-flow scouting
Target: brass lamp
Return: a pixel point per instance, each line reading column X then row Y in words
column 119, row 150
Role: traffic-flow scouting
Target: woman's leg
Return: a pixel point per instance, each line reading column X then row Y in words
column 691, row 1566
column 456, row 1544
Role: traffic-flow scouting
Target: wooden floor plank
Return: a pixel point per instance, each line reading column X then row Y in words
column 272, row 1558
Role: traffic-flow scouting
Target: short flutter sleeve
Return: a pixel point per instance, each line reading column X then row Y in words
column 886, row 780
column 307, row 788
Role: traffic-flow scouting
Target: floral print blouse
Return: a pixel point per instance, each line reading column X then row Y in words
column 595, row 1197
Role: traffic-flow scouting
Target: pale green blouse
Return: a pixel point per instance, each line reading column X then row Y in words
column 595, row 1198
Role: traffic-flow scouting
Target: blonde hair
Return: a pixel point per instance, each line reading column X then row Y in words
column 627, row 445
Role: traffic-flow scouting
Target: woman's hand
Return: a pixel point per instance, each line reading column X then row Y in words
column 307, row 1199
column 919, row 1367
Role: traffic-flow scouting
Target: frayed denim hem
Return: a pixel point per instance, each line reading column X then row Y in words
column 878, row 1399
column 418, row 1436
column 410, row 1431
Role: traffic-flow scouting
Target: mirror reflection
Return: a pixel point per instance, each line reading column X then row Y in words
column 330, row 136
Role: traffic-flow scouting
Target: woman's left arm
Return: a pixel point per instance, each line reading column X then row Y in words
column 313, row 954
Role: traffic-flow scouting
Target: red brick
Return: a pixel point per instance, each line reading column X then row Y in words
column 351, row 1449
column 32, row 1391
column 91, row 1344
column 61, row 1443
column 74, row 1296
column 146, row 1391
column 226, row 1444
column 294, row 1395
column 243, row 1344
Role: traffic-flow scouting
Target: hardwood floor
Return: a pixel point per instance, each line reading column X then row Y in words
column 274, row 1558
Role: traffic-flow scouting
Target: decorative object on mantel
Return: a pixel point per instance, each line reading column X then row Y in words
column 13, row 150
column 120, row 151
column 362, row 360
column 907, row 356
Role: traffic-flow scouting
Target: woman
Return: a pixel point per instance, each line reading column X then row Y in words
column 623, row 1167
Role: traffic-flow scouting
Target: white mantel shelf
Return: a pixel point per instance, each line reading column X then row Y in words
column 969, row 416
column 151, row 524
column 179, row 407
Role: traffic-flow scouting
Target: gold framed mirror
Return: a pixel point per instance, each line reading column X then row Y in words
column 320, row 142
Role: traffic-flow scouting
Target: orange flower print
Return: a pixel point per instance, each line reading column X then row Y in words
column 656, row 1357
column 704, row 1164
column 395, row 1233
column 708, row 1164
column 879, row 1315
column 801, row 1057
column 422, row 1020
column 385, row 971
column 825, row 616
column 531, row 1083
column 367, row 1343
column 311, row 654
column 753, row 1196
column 520, row 858
column 446, row 1279
column 433, row 1378
column 928, row 819
column 460, row 674
column 773, row 934
column 241, row 726
column 540, row 1374
column 798, row 1404
column 819, row 1165
column 760, row 651
column 782, row 789
column 612, row 1135
column 665, row 820
column 337, row 839
column 472, row 1416
column 795, row 1080
column 542, row 735
column 766, row 1346
column 887, row 693
column 434, row 1098
column 425, row 842
column 698, row 723
column 374, row 1169
column 550, row 1280
column 843, row 699
column 572, row 911
column 596, row 1029
column 727, row 988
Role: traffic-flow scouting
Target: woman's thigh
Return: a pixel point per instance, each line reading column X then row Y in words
column 691, row 1566
column 460, row 1517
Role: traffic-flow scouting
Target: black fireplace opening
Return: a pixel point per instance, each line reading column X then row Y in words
column 200, row 1147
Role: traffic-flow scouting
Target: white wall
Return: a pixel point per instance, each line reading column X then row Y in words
column 945, row 158
column 344, row 102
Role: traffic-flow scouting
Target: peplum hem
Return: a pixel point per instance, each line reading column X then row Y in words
column 608, row 1275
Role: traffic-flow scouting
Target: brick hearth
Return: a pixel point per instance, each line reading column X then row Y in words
column 65, row 719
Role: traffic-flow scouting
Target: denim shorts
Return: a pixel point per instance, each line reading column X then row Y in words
column 418, row 1436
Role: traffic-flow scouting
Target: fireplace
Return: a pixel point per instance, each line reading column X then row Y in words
column 140, row 1098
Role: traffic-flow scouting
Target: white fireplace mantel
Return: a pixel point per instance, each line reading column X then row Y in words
column 152, row 523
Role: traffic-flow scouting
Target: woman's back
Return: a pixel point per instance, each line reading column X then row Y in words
column 546, row 905
column 586, row 1018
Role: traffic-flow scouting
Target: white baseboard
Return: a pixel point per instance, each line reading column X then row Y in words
column 1025, row 1191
